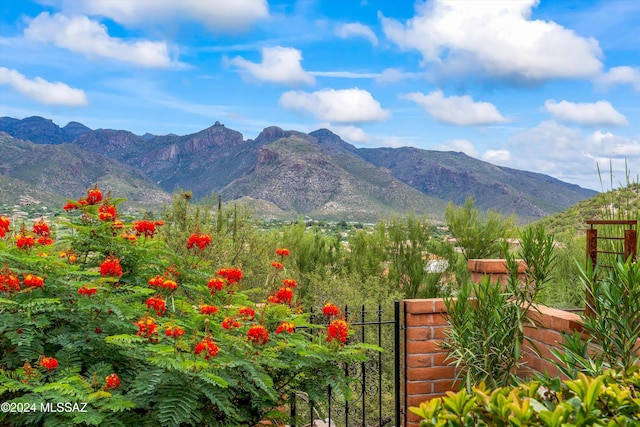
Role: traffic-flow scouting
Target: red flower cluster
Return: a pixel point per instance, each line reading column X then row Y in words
column 71, row 206
column 25, row 241
column 87, row 291
column 44, row 241
column 337, row 331
column 9, row 281
column 157, row 303
column 230, row 323
column 199, row 240
column 282, row 252
column 145, row 228
column 111, row 267
column 49, row 363
column 174, row 332
column 284, row 295
column 208, row 309
column 94, row 196
column 290, row 283
column 162, row 282
column 112, row 381
column 107, row 212
column 233, row 275
column 277, row 265
column 41, row 228
column 330, row 310
column 258, row 334
column 4, row 226
column 285, row 327
column 33, row 281
column 147, row 328
column 215, row 284
column 208, row 345
column 247, row 313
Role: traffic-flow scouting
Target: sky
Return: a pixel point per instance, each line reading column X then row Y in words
column 544, row 86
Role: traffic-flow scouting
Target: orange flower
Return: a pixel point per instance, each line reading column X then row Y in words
column 174, row 332
column 111, row 267
column 337, row 331
column 282, row 252
column 49, row 363
column 247, row 313
column 4, row 223
column 94, row 195
column 25, row 241
column 277, row 265
column 147, row 327
column 41, row 228
column 87, row 291
column 290, row 283
column 157, row 303
column 71, row 206
column 199, row 240
column 330, row 310
column 215, row 284
column 208, row 309
column 208, row 346
column 285, row 327
column 72, row 258
column 258, row 334
column 33, row 281
column 9, row 281
column 45, row 241
column 107, row 212
column 230, row 323
column 112, row 381
column 145, row 228
column 233, row 275
column 284, row 295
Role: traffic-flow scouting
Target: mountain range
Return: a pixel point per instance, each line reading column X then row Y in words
column 280, row 173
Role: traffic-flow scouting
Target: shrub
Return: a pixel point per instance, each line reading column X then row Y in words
column 109, row 315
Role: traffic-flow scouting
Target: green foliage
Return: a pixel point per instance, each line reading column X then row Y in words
column 487, row 321
column 162, row 380
column 479, row 238
column 613, row 332
column 608, row 399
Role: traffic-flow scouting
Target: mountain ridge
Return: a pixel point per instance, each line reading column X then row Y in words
column 314, row 173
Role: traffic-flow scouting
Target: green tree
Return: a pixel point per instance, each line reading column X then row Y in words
column 478, row 237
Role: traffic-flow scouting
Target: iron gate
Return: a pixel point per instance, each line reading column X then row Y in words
column 376, row 383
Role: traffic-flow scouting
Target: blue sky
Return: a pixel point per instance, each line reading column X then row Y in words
column 546, row 86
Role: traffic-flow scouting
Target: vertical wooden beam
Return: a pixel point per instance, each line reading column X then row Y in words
column 630, row 244
column 592, row 257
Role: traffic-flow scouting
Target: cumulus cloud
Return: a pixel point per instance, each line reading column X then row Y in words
column 42, row 91
column 496, row 38
column 620, row 76
column 571, row 155
column 458, row 145
column 90, row 38
column 356, row 29
column 336, row 106
column 498, row 157
column 217, row 15
column 394, row 75
column 600, row 113
column 279, row 65
column 456, row 110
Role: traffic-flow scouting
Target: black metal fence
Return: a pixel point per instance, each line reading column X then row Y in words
column 375, row 399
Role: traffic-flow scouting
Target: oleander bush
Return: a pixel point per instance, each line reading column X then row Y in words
column 145, row 331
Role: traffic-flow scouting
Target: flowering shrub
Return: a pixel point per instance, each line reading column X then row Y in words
column 147, row 336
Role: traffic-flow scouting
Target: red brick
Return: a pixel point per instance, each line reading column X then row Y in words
column 423, row 347
column 550, row 337
column 419, row 360
column 419, row 387
column 419, row 333
column 439, row 332
column 440, row 386
column 422, row 319
column 419, row 306
column 439, row 359
column 417, row 399
column 433, row 373
column 439, row 306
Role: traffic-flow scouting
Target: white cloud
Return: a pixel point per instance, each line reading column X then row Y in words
column 90, row 38
column 570, row 155
column 350, row 133
column 344, row 74
column 217, row 15
column 42, row 91
column 497, row 38
column 456, row 110
column 336, row 106
column 498, row 157
column 394, row 75
column 458, row 145
column 620, row 75
column 600, row 113
column 356, row 29
column 279, row 65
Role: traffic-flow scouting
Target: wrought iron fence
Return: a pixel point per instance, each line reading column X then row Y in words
column 375, row 397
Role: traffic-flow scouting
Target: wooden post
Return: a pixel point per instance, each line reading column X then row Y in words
column 592, row 257
column 630, row 244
